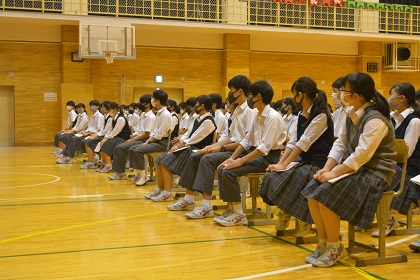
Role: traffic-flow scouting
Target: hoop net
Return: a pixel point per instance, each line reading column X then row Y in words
column 109, row 56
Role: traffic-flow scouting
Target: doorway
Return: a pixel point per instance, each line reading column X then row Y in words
column 7, row 107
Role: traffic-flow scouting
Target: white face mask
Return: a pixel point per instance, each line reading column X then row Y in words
column 182, row 111
column 336, row 98
column 69, row 108
column 137, row 111
column 342, row 95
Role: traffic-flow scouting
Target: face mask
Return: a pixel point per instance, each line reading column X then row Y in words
column 232, row 98
column 393, row 106
column 130, row 111
column 196, row 110
column 336, row 98
column 93, row 108
column 69, row 108
column 125, row 112
column 283, row 110
column 137, row 111
column 182, row 111
column 300, row 102
column 251, row 103
column 344, row 102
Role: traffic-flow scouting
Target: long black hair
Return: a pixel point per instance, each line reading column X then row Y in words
column 408, row 91
column 363, row 84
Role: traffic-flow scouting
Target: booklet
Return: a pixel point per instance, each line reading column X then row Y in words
column 336, row 179
column 180, row 149
column 416, row 179
column 290, row 166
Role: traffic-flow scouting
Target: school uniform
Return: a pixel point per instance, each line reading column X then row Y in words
column 339, row 118
column 291, row 124
column 160, row 132
column 199, row 169
column 184, row 122
column 200, row 135
column 407, row 127
column 92, row 143
column 133, row 120
column 81, row 123
column 174, row 125
column 283, row 188
column 120, row 133
column 267, row 134
column 71, row 122
column 367, row 147
column 147, row 123
column 220, row 120
column 191, row 119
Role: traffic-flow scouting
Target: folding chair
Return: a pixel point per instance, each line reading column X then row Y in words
column 153, row 156
column 382, row 214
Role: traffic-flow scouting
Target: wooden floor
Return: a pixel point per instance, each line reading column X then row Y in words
column 61, row 222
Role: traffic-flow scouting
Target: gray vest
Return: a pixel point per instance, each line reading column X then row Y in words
column 383, row 161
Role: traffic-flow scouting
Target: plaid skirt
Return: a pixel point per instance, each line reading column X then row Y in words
column 175, row 162
column 109, row 145
column 283, row 189
column 354, row 198
column 94, row 142
column 410, row 194
column 65, row 138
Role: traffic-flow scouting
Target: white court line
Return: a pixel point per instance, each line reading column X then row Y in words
column 273, row 272
column 401, row 240
column 32, row 185
column 66, row 196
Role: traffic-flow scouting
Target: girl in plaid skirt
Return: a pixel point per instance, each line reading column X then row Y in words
column 366, row 146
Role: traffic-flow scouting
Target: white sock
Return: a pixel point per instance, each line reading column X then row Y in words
column 215, row 182
column 230, row 207
column 142, row 172
column 206, row 203
column 323, row 241
column 334, row 245
column 237, row 208
column 166, row 193
column 189, row 198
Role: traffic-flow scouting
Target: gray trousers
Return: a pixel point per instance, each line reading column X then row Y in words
column 73, row 145
column 136, row 153
column 120, row 153
column 199, row 171
column 228, row 179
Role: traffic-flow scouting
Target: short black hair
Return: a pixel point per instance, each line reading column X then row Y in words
column 113, row 105
column 105, row 104
column 172, row 103
column 182, row 105
column 216, row 98
column 264, row 88
column 223, row 105
column 206, row 101
column 123, row 107
column 81, row 105
column 94, row 103
column 70, row 103
column 278, row 104
column 132, row 105
column 338, row 83
column 147, row 99
column 191, row 101
column 161, row 96
column 240, row 82
column 139, row 106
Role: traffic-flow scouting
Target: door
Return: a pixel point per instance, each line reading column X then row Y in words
column 7, row 107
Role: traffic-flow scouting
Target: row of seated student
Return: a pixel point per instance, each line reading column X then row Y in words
column 358, row 142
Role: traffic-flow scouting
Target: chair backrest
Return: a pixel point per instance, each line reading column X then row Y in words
column 401, row 148
column 169, row 139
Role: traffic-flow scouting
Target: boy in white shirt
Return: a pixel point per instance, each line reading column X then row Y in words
column 71, row 121
column 219, row 118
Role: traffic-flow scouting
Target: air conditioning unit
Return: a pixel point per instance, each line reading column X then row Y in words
column 401, row 56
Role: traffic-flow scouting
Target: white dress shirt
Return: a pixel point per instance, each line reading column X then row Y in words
column 146, row 124
column 202, row 131
column 82, row 121
column 242, row 120
column 314, row 130
column 227, row 116
column 191, row 119
column 133, row 120
column 107, row 128
column 71, row 117
column 373, row 133
column 174, row 121
column 184, row 123
column 220, row 121
column 96, row 122
column 339, row 119
column 291, row 124
column 162, row 124
column 268, row 132
column 118, row 126
column 412, row 133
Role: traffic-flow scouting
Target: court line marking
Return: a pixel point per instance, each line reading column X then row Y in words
column 70, row 202
column 67, row 196
column 78, row 226
column 401, row 240
column 32, row 185
column 272, row 272
column 135, row 246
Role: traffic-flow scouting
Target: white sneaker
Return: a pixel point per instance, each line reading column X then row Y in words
column 319, row 250
column 142, row 180
column 58, row 155
column 176, row 180
column 393, row 224
column 330, row 256
column 106, row 168
column 95, row 158
column 302, row 228
column 64, row 160
column 224, row 215
column 200, row 212
column 155, row 192
column 127, row 165
column 234, row 219
column 283, row 221
column 88, row 165
column 415, row 245
column 135, row 178
column 181, row 205
column 163, row 196
column 118, row 176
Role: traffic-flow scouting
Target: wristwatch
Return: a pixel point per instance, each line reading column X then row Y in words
column 223, row 149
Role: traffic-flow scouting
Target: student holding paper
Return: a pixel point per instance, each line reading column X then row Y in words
column 312, row 142
column 365, row 149
column 199, row 135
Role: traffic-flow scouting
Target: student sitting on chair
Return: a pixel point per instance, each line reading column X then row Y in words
column 262, row 145
column 120, row 153
column 133, row 117
column 219, row 118
column 173, row 162
column 367, row 147
column 96, row 123
column 183, row 123
column 173, row 108
column 71, row 122
column 92, row 141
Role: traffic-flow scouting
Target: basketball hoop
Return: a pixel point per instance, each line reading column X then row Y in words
column 109, row 56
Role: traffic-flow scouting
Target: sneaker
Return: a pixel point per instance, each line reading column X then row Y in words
column 200, row 212
column 64, row 160
column 415, row 246
column 155, row 192
column 302, row 228
column 135, row 178
column 357, row 228
column 96, row 158
column 142, row 180
column 56, row 151
column 234, row 219
column 99, row 168
column 118, row 176
column 283, row 221
column 106, row 168
column 393, row 224
column 127, row 165
column 181, row 205
column 88, row 165
column 163, row 196
column 330, row 256
column 223, row 216
column 58, row 155
column 175, row 180
column 319, row 250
